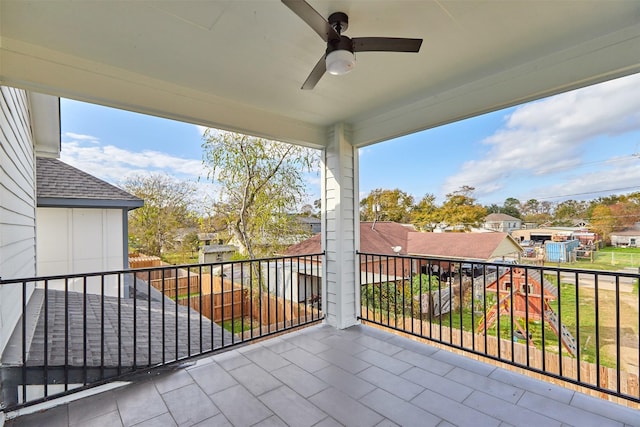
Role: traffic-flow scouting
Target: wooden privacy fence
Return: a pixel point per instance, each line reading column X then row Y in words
column 183, row 286
column 227, row 305
column 269, row 310
column 516, row 353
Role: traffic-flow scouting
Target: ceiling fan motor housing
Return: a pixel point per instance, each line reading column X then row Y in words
column 344, row 43
column 339, row 21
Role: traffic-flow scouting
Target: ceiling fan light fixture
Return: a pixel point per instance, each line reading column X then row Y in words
column 340, row 62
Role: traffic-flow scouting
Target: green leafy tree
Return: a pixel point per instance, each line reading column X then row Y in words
column 386, row 205
column 426, row 214
column 460, row 209
column 261, row 182
column 167, row 204
column 568, row 211
column 511, row 206
column 602, row 221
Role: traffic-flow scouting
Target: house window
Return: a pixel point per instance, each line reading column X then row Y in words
column 507, row 286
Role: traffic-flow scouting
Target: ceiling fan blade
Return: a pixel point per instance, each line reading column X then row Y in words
column 313, row 19
column 385, row 44
column 316, row 74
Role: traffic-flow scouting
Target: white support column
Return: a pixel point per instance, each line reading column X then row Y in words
column 340, row 229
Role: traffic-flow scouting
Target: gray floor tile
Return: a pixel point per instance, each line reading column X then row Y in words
column 507, row 412
column 313, row 346
column 534, row 385
column 398, row 410
column 212, row 378
column 344, row 409
column 216, row 421
column 423, row 362
column 344, row 361
column 464, row 362
column 189, row 405
column 278, row 345
column 164, row 420
column 382, row 346
column 564, row 413
column 344, row 344
column 172, row 380
column 328, row 422
column 91, row 407
column 304, row 359
column 54, row 417
column 382, row 361
column 299, row 380
column 292, row 408
column 605, row 408
column 444, row 386
column 231, row 360
column 345, row 381
column 240, row 407
column 255, row 379
column 386, row 423
column 461, row 391
column 394, row 384
column 139, row 402
column 266, row 358
column 490, row 386
column 110, row 419
column 412, row 345
column 273, row 421
column 452, row 411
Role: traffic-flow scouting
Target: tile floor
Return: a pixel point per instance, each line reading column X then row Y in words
column 321, row 376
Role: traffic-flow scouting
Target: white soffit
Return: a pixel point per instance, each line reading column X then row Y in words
column 239, row 65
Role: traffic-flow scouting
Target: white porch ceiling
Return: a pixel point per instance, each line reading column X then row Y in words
column 239, row 64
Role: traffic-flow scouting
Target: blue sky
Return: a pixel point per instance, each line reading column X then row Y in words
column 582, row 144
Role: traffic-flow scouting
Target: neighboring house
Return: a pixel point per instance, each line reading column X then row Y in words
column 626, row 238
column 310, row 224
column 57, row 220
column 81, row 221
column 543, row 234
column 464, row 246
column 502, row 222
column 216, row 253
column 389, row 239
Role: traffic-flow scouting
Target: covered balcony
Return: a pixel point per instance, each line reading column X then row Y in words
column 240, row 66
column 445, row 345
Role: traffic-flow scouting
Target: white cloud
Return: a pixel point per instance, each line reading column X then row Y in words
column 547, row 136
column 621, row 176
column 115, row 164
column 81, row 137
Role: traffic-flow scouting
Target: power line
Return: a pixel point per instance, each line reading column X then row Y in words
column 588, row 192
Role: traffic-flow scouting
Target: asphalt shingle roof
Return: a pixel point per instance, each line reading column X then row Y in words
column 60, row 184
column 382, row 237
column 500, row 217
column 117, row 331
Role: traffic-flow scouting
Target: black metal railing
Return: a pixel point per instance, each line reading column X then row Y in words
column 78, row 331
column 580, row 326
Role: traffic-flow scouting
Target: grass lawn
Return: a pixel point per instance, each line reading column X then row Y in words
column 610, row 258
column 180, row 258
column 572, row 313
column 240, row 325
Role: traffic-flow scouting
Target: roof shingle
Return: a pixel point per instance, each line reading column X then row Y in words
column 59, row 184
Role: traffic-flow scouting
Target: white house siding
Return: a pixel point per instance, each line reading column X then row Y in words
column 339, row 199
column 17, row 204
column 79, row 240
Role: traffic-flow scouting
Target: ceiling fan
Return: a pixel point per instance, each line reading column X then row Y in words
column 339, row 57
